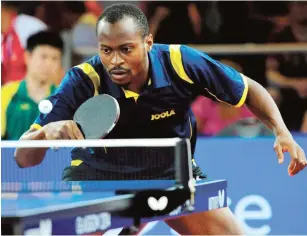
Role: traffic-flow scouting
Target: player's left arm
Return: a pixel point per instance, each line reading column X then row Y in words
column 205, row 76
column 263, row 106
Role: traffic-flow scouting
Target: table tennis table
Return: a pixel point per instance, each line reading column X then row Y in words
column 89, row 207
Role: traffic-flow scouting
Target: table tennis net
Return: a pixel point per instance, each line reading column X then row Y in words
column 122, row 159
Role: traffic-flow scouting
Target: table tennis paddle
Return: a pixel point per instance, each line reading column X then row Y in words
column 97, row 116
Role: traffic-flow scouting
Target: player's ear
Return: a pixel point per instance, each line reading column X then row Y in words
column 148, row 42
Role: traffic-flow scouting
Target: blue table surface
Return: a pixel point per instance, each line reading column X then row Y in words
column 26, row 198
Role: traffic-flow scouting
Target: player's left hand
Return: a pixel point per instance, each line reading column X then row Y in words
column 286, row 143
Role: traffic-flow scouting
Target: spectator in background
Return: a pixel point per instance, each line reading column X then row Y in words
column 68, row 11
column 33, row 17
column 287, row 73
column 174, row 22
column 93, row 7
column 213, row 117
column 84, row 38
column 15, row 30
column 8, row 13
column 19, row 100
column 271, row 13
column 221, row 27
column 57, row 15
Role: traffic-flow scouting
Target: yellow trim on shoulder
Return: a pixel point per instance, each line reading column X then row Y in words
column 7, row 92
column 244, row 94
column 176, row 60
column 36, row 126
column 92, row 74
column 76, row 162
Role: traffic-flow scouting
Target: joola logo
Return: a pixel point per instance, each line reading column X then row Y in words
column 162, row 115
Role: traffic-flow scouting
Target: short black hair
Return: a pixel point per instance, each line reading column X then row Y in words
column 117, row 12
column 45, row 38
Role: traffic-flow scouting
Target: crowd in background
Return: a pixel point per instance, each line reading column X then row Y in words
column 34, row 48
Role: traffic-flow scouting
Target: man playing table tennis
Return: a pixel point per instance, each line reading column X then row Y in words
column 154, row 85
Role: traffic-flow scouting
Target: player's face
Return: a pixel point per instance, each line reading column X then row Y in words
column 44, row 62
column 123, row 50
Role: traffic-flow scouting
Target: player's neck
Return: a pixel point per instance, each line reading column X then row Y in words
column 137, row 85
column 37, row 89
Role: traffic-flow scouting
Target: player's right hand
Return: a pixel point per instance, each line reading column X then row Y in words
column 65, row 129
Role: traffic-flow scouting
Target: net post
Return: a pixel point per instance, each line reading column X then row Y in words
column 183, row 163
column 183, row 172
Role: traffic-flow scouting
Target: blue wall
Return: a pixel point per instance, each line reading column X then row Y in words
column 261, row 194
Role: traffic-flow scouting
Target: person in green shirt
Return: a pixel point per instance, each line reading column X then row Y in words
column 20, row 100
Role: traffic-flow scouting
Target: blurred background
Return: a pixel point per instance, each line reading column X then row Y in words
column 265, row 40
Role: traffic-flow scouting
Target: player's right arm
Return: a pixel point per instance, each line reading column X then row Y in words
column 75, row 89
column 66, row 129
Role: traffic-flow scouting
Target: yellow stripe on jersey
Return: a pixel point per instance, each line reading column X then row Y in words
column 244, row 94
column 176, row 60
column 7, row 93
column 76, row 162
column 131, row 94
column 92, row 74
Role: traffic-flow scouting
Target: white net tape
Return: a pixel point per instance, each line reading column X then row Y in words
column 166, row 142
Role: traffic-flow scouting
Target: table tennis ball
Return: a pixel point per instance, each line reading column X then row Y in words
column 45, row 106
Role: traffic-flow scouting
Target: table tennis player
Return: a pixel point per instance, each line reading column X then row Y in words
column 154, row 85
